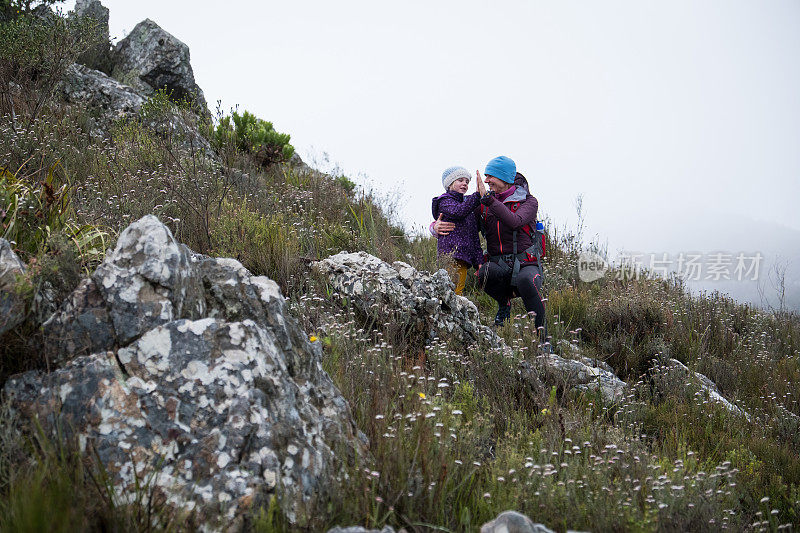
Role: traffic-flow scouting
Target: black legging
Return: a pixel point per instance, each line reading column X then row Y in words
column 496, row 281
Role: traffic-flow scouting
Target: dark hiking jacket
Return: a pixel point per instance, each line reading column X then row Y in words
column 463, row 242
column 504, row 213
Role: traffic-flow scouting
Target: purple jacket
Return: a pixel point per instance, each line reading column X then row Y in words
column 504, row 213
column 462, row 242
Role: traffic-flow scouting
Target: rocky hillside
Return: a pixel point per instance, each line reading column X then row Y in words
column 185, row 343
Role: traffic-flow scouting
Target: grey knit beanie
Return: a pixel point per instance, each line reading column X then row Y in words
column 452, row 174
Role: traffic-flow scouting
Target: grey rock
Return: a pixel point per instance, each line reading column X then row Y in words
column 91, row 88
column 297, row 163
column 592, row 361
column 426, row 303
column 196, row 379
column 109, row 100
column 44, row 13
column 673, row 371
column 95, row 10
column 12, row 305
column 149, row 59
column 80, row 326
column 513, row 522
column 98, row 57
column 149, row 279
column 583, row 376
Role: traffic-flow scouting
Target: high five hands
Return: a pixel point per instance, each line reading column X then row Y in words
column 481, row 185
column 441, row 227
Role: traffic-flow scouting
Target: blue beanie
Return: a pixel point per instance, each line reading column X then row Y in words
column 502, row 168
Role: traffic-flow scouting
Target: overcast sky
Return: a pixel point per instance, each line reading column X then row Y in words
column 678, row 113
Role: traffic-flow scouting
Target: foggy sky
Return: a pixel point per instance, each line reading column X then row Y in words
column 668, row 114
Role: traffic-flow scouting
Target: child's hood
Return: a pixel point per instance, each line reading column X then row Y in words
column 449, row 194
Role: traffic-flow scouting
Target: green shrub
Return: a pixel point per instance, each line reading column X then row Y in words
column 346, row 183
column 254, row 136
column 30, row 213
column 14, row 9
column 266, row 245
column 35, row 53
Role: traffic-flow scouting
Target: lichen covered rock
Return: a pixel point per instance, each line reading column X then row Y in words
column 93, row 89
column 513, row 522
column 99, row 56
column 427, row 303
column 195, row 378
column 151, row 59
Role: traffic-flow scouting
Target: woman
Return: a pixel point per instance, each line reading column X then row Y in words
column 509, row 220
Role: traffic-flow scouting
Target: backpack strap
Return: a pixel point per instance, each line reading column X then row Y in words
column 515, row 270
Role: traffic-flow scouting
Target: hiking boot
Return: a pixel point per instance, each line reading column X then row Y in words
column 503, row 314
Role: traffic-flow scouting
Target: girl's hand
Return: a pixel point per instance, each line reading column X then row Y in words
column 481, row 185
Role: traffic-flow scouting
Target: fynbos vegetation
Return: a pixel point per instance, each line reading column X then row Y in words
column 456, row 435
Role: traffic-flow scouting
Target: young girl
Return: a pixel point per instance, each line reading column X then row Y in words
column 461, row 244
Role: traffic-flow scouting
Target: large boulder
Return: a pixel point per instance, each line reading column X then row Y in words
column 12, row 304
column 99, row 56
column 195, row 378
column 109, row 100
column 150, row 59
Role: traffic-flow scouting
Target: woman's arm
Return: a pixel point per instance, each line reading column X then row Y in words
column 439, row 227
column 526, row 214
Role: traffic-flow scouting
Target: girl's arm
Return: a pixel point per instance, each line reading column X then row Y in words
column 458, row 211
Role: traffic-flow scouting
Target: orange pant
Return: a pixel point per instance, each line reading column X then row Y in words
column 458, row 272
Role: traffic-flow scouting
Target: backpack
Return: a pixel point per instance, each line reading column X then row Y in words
column 538, row 230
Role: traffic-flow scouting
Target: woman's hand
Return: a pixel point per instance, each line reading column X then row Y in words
column 481, row 185
column 441, row 227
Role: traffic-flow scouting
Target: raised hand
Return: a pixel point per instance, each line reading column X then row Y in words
column 481, row 185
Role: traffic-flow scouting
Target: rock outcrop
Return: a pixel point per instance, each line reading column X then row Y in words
column 430, row 307
column 12, row 305
column 99, row 56
column 150, row 59
column 194, row 379
column 426, row 302
column 92, row 88
column 580, row 375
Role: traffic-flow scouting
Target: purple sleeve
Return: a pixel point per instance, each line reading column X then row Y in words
column 457, row 211
column 526, row 214
column 430, row 228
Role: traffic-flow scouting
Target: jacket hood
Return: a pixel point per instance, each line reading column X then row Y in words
column 517, row 196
